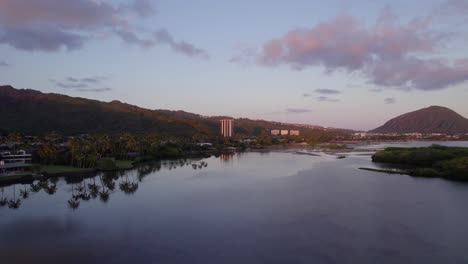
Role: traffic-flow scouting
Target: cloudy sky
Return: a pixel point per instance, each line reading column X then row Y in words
column 350, row 64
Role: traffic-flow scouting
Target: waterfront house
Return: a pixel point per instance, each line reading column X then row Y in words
column 13, row 162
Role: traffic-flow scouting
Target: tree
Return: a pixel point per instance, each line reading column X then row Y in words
column 47, row 153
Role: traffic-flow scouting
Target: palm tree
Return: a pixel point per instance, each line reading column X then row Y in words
column 47, row 153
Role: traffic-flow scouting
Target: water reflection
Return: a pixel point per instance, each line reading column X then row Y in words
column 227, row 156
column 90, row 187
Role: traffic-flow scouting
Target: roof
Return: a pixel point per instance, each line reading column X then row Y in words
column 15, row 165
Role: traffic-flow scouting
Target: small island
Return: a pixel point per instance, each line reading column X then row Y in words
column 434, row 161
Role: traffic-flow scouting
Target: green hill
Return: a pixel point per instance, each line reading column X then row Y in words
column 33, row 112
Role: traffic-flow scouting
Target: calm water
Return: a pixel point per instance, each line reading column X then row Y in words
column 247, row 208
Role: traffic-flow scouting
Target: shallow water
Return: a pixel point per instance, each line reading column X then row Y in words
column 247, row 208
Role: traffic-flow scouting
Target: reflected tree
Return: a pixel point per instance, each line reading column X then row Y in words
column 24, row 193
column 104, row 194
column 74, row 201
column 14, row 203
column 35, row 187
column 50, row 189
column 93, row 188
column 3, row 200
column 127, row 186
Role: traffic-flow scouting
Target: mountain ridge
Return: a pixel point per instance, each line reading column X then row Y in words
column 35, row 112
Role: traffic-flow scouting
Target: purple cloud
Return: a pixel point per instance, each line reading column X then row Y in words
column 52, row 25
column 390, row 100
column 327, row 99
column 163, row 36
column 327, row 91
column 81, row 84
column 4, row 64
column 383, row 53
column 297, row 110
column 375, row 90
column 94, row 89
column 244, row 55
column 71, row 85
column 91, row 80
column 143, row 8
column 40, row 39
column 450, row 7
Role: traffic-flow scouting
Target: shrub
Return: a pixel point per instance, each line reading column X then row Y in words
column 425, row 172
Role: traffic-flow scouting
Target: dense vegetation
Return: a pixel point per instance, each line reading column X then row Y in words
column 434, row 161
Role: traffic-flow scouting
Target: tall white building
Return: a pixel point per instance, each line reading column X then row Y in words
column 227, row 128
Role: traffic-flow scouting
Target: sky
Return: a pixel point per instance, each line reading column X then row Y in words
column 342, row 63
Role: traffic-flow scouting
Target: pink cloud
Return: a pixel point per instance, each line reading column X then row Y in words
column 388, row 53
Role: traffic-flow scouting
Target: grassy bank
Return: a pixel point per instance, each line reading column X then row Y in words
column 60, row 169
column 110, row 164
column 433, row 161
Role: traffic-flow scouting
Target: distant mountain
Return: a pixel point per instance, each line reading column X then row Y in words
column 33, row 112
column 434, row 119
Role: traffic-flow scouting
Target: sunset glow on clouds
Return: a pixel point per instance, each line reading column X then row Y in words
column 248, row 58
column 384, row 53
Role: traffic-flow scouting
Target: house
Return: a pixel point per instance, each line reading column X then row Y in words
column 275, row 132
column 11, row 163
column 294, row 132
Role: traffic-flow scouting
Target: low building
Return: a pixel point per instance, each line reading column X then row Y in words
column 275, row 132
column 204, row 144
column 11, row 163
column 284, row 132
column 294, row 133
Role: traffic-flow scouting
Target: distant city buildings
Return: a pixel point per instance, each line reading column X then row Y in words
column 294, row 132
column 275, row 132
column 284, row 132
column 227, row 128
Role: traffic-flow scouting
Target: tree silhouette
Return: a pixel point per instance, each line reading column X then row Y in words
column 3, row 200
column 24, row 193
column 14, row 203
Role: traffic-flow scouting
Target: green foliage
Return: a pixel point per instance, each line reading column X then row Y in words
column 425, row 172
column 59, row 169
column 47, row 153
column 107, row 164
column 169, row 151
column 124, row 164
column 435, row 161
column 455, row 168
